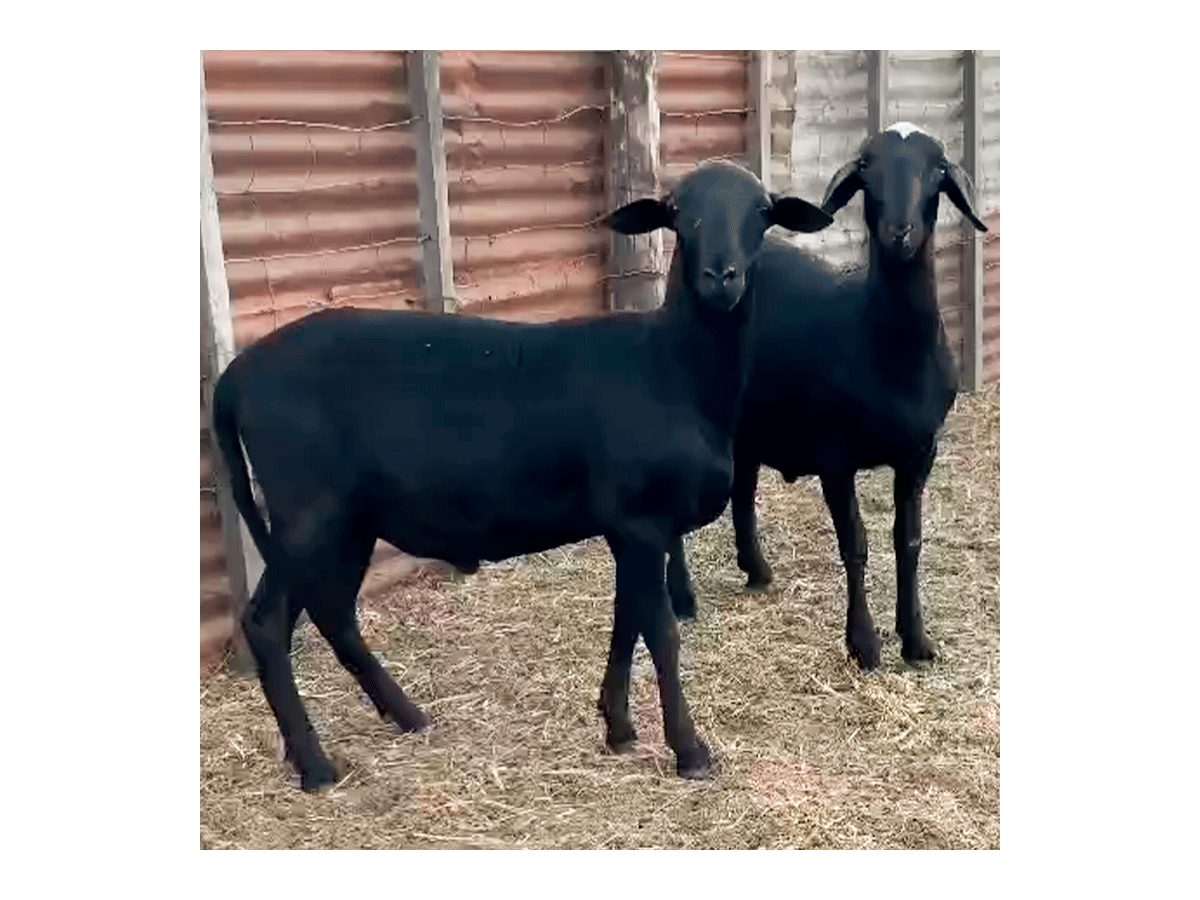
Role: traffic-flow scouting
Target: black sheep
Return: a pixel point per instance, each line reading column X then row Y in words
column 852, row 371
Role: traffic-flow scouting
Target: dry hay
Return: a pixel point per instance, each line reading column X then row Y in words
column 508, row 664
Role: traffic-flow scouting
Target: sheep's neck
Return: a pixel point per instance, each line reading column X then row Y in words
column 903, row 311
column 714, row 344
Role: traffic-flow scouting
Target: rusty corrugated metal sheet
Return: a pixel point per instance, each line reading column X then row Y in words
column 316, row 183
column 703, row 102
column 525, row 136
column 991, row 297
column 316, row 188
column 704, row 105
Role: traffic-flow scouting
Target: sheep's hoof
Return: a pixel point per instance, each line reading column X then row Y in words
column 621, row 740
column 622, row 747
column 684, row 607
column 758, row 574
column 323, row 776
column 696, row 764
column 619, row 733
column 919, row 649
column 408, row 719
column 865, row 647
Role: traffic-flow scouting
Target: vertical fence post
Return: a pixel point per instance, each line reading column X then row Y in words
column 636, row 261
column 242, row 562
column 635, row 265
column 758, row 122
column 972, row 279
column 437, row 269
column 877, row 79
column 796, row 147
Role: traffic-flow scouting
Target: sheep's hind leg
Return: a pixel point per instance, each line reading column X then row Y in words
column 679, row 584
column 613, row 704
column 745, row 528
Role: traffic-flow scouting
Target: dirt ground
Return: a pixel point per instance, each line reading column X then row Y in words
column 508, row 663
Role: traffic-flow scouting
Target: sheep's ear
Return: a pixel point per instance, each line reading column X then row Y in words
column 640, row 216
column 795, row 214
column 845, row 184
column 956, row 185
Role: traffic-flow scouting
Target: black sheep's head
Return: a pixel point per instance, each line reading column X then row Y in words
column 902, row 173
column 720, row 213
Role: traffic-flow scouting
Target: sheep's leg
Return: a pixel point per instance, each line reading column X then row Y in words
column 641, row 593
column 908, row 489
column 661, row 634
column 614, row 689
column 861, row 638
column 679, row 584
column 745, row 529
column 267, row 625
column 331, row 602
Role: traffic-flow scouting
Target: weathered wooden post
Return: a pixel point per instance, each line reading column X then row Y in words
column 877, row 72
column 243, row 564
column 972, row 276
column 758, row 122
column 796, row 145
column 437, row 269
column 636, row 261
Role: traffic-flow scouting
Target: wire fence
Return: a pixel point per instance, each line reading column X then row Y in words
column 495, row 173
column 322, row 210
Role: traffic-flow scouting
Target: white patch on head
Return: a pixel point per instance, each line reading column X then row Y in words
column 904, row 129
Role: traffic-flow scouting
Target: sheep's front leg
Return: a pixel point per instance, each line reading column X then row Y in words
column 907, row 490
column 861, row 638
column 641, row 598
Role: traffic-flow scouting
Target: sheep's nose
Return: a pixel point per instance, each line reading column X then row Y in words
column 898, row 232
column 727, row 275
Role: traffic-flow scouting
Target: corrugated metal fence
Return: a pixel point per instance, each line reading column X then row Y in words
column 703, row 108
column 819, row 111
column 316, row 179
column 314, row 169
column 524, row 136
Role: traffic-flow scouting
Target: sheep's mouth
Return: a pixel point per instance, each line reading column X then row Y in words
column 903, row 249
column 722, row 301
column 725, row 297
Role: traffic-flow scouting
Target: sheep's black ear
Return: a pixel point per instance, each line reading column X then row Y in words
column 640, row 216
column 795, row 214
column 956, row 185
column 845, row 184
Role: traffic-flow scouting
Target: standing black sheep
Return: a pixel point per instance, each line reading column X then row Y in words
column 466, row 439
column 852, row 371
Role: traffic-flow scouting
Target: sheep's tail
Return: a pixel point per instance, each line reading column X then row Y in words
column 225, row 429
